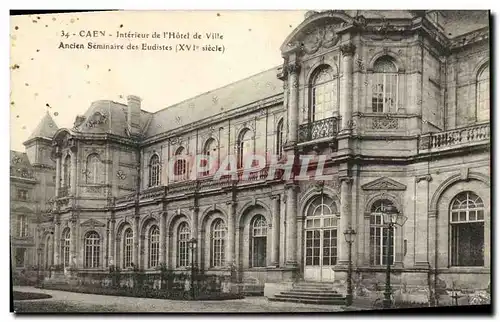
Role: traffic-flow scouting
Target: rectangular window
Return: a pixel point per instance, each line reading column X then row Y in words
column 467, row 244
column 20, row 257
column 259, row 245
column 22, row 194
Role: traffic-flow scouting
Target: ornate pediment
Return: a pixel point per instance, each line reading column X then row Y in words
column 383, row 184
column 93, row 223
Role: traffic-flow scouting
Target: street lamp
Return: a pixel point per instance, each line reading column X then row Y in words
column 391, row 218
column 192, row 245
column 349, row 235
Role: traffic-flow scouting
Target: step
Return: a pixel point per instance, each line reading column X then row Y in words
column 313, row 290
column 303, row 287
column 319, row 295
column 304, row 296
column 309, row 301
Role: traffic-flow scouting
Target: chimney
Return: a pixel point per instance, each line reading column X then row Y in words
column 134, row 114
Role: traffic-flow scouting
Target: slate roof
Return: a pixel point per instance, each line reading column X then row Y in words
column 45, row 129
column 217, row 101
column 106, row 116
column 20, row 165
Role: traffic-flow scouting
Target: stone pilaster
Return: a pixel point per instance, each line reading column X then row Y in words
column 194, row 229
column 73, row 241
column 231, row 211
column 135, row 249
column 291, row 225
column 163, row 238
column 73, row 173
column 58, row 173
column 275, row 250
column 57, row 241
column 345, row 219
column 346, row 94
column 293, row 70
column 422, row 220
column 112, row 241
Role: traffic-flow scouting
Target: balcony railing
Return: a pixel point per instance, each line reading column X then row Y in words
column 455, row 138
column 318, row 129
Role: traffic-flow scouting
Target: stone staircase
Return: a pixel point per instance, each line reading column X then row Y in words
column 311, row 293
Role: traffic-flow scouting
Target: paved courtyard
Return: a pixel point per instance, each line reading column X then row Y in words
column 77, row 302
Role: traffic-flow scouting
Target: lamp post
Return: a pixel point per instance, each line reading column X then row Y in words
column 349, row 235
column 391, row 218
column 192, row 245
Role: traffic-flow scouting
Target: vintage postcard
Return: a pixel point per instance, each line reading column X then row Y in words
column 250, row 161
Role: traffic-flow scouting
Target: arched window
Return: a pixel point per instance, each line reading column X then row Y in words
column 154, row 171
column 321, row 231
column 258, row 245
column 92, row 249
column 210, row 152
column 384, row 86
column 180, row 165
column 22, row 226
column 218, row 234
column 67, row 172
column 93, row 164
column 378, row 235
column 467, row 230
column 279, row 138
column 244, row 146
column 66, row 246
column 183, row 236
column 154, row 246
column 128, row 241
column 323, row 94
column 483, row 94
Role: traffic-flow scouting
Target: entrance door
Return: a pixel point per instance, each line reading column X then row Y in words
column 320, row 239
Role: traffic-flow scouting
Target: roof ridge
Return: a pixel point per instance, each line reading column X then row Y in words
column 217, row 88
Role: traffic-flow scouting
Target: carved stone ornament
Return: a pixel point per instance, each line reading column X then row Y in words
column 121, row 175
column 347, row 49
column 93, row 223
column 385, row 123
column 96, row 119
column 383, row 184
column 324, row 36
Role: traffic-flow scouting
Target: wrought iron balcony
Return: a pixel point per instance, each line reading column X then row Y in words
column 318, row 129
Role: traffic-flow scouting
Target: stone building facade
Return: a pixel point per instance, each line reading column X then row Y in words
column 395, row 102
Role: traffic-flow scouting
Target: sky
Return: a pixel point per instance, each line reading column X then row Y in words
column 65, row 82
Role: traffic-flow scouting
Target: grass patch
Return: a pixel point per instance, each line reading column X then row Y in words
column 22, row 296
column 58, row 307
column 144, row 293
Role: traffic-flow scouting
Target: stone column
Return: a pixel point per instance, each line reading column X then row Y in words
column 346, row 93
column 58, row 173
column 291, row 225
column 112, row 243
column 163, row 238
column 73, row 173
column 57, row 241
column 345, row 219
column 230, row 232
column 293, row 70
column 73, row 241
column 275, row 231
